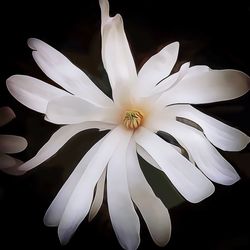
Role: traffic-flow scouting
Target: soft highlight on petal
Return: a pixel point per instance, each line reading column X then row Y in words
column 187, row 179
column 151, row 207
column 33, row 93
column 12, row 144
column 209, row 87
column 80, row 201
column 122, row 213
column 59, row 69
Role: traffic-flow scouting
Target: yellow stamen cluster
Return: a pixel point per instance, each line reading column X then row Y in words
column 132, row 119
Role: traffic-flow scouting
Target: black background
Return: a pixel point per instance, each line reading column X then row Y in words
column 209, row 33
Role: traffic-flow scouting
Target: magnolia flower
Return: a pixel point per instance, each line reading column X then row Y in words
column 143, row 103
column 10, row 144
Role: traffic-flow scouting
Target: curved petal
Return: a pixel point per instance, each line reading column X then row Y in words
column 12, row 144
column 80, row 201
column 221, row 135
column 33, row 93
column 123, row 216
column 116, row 55
column 187, row 179
column 207, row 158
column 58, row 68
column 151, row 207
column 55, row 211
column 72, row 110
column 212, row 86
column 158, row 66
column 99, row 193
column 6, row 115
column 196, row 70
column 57, row 140
column 9, row 165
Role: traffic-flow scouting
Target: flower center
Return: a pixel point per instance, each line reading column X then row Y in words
column 132, row 119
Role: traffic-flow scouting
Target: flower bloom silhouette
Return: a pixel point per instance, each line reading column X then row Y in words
column 10, row 144
column 143, row 103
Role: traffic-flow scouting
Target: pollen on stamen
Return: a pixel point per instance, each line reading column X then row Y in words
column 132, row 119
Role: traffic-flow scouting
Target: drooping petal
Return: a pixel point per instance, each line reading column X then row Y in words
column 116, row 55
column 57, row 207
column 72, row 110
column 99, row 193
column 187, row 179
column 59, row 68
column 6, row 115
column 211, row 86
column 80, row 201
column 123, row 216
column 33, row 93
column 151, row 207
column 12, row 144
column 57, row 140
column 158, row 66
column 9, row 165
column 207, row 158
column 221, row 135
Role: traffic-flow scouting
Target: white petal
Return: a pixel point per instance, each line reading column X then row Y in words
column 57, row 140
column 9, row 165
column 99, row 193
column 116, row 55
column 72, row 109
column 6, row 115
column 207, row 158
column 57, row 207
column 212, row 86
column 196, row 70
column 151, row 207
column 58, row 68
column 187, row 179
column 171, row 80
column 33, row 93
column 80, row 201
column 221, row 135
column 123, row 216
column 158, row 66
column 12, row 144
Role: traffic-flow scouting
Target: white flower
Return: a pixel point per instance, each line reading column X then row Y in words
column 143, row 103
column 10, row 144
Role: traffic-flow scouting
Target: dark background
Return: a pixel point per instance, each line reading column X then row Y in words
column 213, row 34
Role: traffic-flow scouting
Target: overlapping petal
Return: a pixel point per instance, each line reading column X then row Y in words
column 151, row 207
column 80, row 201
column 221, row 135
column 123, row 216
column 58, row 68
column 211, row 86
column 187, row 179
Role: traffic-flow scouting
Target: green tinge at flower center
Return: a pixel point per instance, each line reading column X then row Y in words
column 132, row 119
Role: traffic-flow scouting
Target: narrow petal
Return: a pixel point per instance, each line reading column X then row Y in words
column 123, row 216
column 212, row 86
column 158, row 66
column 187, row 179
column 58, row 68
column 9, row 165
column 6, row 115
column 33, row 93
column 57, row 207
column 80, row 201
column 99, row 193
column 207, row 158
column 116, row 55
column 72, row 110
column 57, row 140
column 151, row 207
column 221, row 135
column 12, row 144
